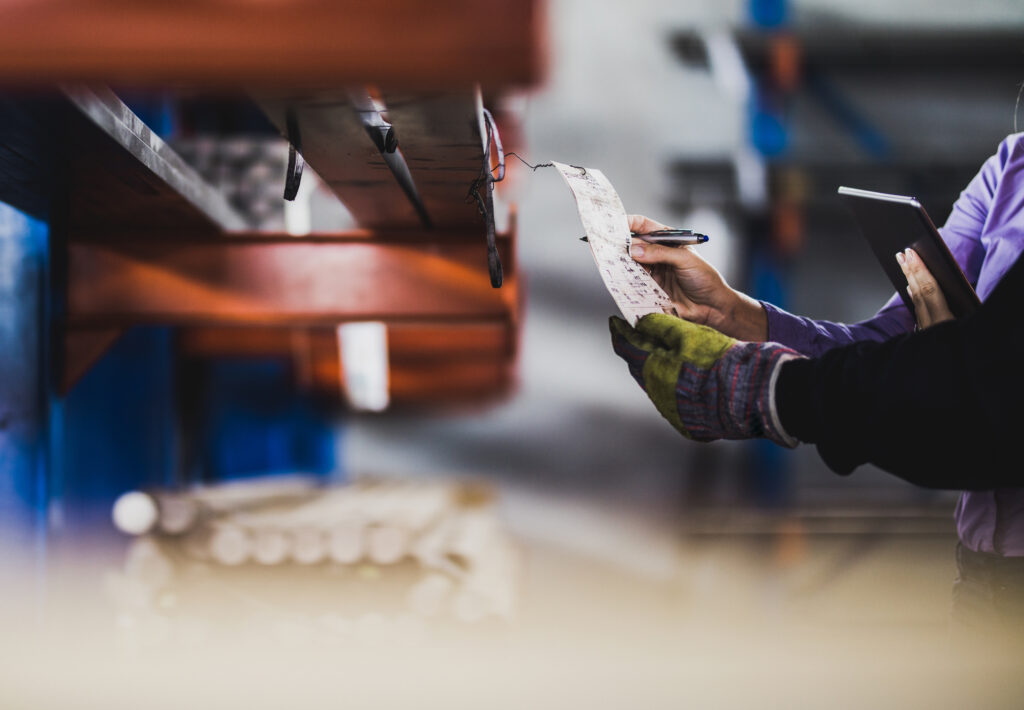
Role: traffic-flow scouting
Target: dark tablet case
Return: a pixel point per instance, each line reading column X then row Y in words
column 890, row 224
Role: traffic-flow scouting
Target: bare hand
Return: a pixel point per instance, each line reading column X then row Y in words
column 697, row 290
column 929, row 303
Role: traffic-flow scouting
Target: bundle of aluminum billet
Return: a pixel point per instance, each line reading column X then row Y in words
column 455, row 560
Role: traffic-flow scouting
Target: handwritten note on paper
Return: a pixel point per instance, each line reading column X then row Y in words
column 604, row 220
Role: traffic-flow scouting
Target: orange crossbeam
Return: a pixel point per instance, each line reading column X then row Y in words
column 429, row 362
column 408, row 343
column 433, row 383
column 293, row 43
column 278, row 280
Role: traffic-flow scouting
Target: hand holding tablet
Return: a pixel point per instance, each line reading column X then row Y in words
column 892, row 224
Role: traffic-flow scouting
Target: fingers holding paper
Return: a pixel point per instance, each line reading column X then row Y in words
column 695, row 286
column 929, row 302
column 698, row 291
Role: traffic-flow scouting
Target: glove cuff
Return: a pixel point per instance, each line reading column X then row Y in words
column 776, row 432
column 746, row 379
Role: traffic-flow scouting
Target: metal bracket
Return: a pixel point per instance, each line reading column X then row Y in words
column 293, row 177
column 485, row 202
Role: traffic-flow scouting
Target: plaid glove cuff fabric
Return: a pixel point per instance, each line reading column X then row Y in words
column 706, row 384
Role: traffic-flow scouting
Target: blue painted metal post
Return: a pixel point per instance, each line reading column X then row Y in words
column 118, row 428
column 24, row 396
column 768, row 481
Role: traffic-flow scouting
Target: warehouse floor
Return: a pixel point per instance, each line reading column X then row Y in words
column 613, row 607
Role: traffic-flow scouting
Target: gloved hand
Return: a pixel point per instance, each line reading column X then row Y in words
column 706, row 384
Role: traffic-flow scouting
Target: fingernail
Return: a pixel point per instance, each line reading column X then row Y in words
column 636, row 250
column 900, row 258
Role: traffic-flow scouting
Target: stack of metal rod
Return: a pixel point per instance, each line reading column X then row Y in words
column 406, row 554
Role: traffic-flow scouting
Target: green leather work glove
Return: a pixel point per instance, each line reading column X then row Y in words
column 707, row 385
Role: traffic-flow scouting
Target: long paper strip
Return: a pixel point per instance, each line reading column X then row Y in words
column 604, row 220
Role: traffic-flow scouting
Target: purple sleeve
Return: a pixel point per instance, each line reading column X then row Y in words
column 962, row 233
column 813, row 337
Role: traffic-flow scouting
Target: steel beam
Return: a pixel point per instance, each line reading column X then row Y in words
column 442, row 138
column 224, row 44
column 278, row 280
column 408, row 343
column 80, row 155
column 335, row 143
column 429, row 363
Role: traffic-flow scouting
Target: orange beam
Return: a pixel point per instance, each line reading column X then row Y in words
column 433, row 363
column 293, row 43
column 435, row 383
column 408, row 343
column 275, row 280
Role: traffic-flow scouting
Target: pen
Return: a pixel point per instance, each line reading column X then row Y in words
column 669, row 237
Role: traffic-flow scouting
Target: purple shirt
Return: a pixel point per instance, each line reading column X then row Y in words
column 985, row 232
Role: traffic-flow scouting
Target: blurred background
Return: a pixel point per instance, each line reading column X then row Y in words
column 234, row 471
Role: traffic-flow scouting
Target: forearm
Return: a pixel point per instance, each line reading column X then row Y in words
column 815, row 337
column 741, row 317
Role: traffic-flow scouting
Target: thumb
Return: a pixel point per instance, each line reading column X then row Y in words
column 640, row 224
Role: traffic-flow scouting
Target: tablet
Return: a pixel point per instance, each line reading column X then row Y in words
column 891, row 223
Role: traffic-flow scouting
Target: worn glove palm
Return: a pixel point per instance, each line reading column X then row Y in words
column 706, row 384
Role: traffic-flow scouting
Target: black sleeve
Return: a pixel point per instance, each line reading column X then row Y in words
column 941, row 408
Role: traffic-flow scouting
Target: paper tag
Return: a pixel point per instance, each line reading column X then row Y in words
column 604, row 220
